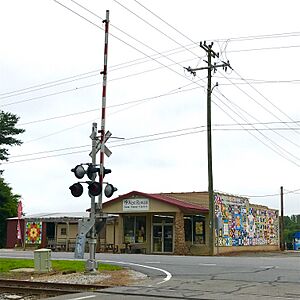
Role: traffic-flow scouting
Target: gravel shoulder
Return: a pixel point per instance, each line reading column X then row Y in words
column 122, row 277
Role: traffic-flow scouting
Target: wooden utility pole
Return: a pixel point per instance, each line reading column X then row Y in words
column 210, row 67
column 282, row 247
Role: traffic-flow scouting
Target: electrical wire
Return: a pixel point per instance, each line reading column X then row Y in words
column 258, row 81
column 192, row 41
column 264, row 48
column 172, row 92
column 246, row 112
column 84, row 18
column 245, row 120
column 86, row 86
column 123, row 65
column 197, row 128
column 112, row 146
column 116, row 105
column 149, row 24
column 275, row 35
column 172, row 70
column 258, row 103
column 278, row 146
column 259, row 37
column 47, row 85
column 276, row 107
column 81, row 75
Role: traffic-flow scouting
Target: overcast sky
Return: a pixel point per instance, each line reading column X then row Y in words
column 51, row 59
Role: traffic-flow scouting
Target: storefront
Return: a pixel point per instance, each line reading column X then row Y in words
column 177, row 223
column 56, row 231
column 165, row 223
column 158, row 223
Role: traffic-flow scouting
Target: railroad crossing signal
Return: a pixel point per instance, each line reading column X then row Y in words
column 94, row 187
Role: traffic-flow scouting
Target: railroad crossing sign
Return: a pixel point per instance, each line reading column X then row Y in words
column 107, row 152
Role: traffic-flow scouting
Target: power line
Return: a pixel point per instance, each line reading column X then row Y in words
column 245, row 120
column 45, row 86
column 130, row 44
column 190, row 40
column 41, row 86
column 197, row 128
column 126, row 43
column 112, row 146
column 258, row 37
column 149, row 24
column 282, row 112
column 286, row 124
column 258, row 103
column 59, row 117
column 116, row 105
column 161, row 19
column 85, row 86
column 134, row 62
column 142, row 100
column 258, row 81
column 265, row 36
column 263, row 48
column 82, row 75
column 270, row 140
column 49, row 95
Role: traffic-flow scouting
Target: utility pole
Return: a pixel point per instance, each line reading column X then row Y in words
column 210, row 67
column 282, row 247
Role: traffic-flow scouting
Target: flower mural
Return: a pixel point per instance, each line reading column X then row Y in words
column 33, row 232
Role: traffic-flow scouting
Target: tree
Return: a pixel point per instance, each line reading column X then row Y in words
column 291, row 226
column 8, row 208
column 8, row 122
column 8, row 201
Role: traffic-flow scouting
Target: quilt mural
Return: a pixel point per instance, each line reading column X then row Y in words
column 239, row 223
column 33, row 233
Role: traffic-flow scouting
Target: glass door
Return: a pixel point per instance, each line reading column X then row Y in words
column 157, row 238
column 162, row 238
column 168, row 238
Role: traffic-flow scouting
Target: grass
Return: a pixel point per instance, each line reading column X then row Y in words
column 8, row 264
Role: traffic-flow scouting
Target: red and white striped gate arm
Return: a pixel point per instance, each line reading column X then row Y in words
column 102, row 130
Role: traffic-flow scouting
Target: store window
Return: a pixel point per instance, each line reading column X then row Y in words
column 194, row 228
column 63, row 231
column 134, row 229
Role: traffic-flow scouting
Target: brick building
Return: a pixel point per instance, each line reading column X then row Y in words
column 177, row 223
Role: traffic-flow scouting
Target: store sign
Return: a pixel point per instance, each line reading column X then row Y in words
column 135, row 204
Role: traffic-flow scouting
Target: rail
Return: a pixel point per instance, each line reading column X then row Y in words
column 45, row 288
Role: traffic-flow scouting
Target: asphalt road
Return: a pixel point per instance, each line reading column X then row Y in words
column 255, row 276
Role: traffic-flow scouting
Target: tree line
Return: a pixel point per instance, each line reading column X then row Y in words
column 8, row 200
column 291, row 226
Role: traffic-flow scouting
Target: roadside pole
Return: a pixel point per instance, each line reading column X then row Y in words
column 210, row 67
column 282, row 247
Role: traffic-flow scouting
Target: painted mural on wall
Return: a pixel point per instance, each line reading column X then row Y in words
column 33, row 233
column 239, row 223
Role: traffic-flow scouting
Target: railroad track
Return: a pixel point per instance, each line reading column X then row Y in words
column 45, row 289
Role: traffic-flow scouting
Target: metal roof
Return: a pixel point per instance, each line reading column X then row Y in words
column 60, row 215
